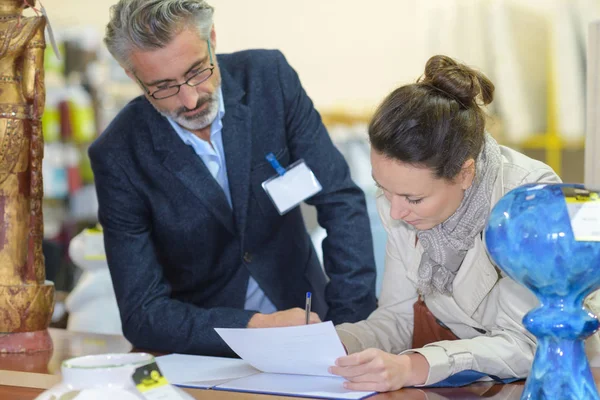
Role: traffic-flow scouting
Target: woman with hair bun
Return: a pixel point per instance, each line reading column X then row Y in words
column 445, row 309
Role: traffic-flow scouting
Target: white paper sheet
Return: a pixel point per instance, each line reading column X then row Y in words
column 294, row 385
column 295, row 355
column 202, row 371
column 303, row 350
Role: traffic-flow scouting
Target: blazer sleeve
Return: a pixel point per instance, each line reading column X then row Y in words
column 390, row 326
column 150, row 318
column 348, row 248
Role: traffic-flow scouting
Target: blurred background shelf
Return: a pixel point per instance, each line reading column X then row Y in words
column 348, row 57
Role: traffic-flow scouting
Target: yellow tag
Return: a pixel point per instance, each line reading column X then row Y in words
column 149, row 377
column 578, row 196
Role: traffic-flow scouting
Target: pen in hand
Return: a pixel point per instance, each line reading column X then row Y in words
column 307, row 308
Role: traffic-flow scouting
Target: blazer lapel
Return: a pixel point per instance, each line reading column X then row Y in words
column 184, row 163
column 237, row 142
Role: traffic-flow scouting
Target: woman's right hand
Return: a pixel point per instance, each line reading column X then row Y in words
column 374, row 369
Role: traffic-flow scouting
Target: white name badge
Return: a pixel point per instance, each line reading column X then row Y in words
column 292, row 186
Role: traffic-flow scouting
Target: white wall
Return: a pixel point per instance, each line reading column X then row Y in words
column 351, row 53
column 348, row 53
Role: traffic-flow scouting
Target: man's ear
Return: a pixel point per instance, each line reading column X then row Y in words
column 467, row 174
column 213, row 39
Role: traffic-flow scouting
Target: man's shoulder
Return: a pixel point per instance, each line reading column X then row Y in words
column 128, row 119
column 252, row 63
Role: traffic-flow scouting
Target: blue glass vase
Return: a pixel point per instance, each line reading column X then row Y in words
column 529, row 236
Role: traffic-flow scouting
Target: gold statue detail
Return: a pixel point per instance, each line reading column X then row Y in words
column 26, row 298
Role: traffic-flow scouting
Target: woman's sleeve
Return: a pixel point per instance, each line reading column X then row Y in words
column 390, row 326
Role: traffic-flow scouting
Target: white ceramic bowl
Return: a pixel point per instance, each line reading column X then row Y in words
column 101, row 377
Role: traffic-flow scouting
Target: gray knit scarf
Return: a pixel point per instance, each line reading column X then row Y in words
column 447, row 244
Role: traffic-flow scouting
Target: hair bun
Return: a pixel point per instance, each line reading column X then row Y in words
column 459, row 81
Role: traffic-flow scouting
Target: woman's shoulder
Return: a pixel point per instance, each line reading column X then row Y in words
column 519, row 169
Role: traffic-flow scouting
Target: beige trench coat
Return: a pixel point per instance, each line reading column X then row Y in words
column 484, row 311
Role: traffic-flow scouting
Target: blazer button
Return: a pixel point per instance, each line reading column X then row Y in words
column 247, row 257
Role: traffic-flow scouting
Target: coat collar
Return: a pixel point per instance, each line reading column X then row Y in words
column 186, row 166
column 477, row 274
column 237, row 144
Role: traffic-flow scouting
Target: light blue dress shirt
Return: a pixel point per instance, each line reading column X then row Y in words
column 214, row 159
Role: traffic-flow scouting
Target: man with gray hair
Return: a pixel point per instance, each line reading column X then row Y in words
column 193, row 241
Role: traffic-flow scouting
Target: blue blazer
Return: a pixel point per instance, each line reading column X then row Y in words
column 180, row 257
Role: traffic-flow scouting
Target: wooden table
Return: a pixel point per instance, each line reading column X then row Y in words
column 24, row 377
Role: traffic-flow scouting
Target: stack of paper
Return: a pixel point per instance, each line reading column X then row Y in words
column 201, row 371
column 290, row 361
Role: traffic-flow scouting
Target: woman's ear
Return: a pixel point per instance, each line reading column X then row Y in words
column 467, row 174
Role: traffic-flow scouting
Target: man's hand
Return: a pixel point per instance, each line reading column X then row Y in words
column 374, row 369
column 291, row 317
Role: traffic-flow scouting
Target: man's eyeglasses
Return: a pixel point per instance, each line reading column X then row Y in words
column 193, row 80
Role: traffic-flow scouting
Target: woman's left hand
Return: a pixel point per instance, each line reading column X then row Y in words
column 376, row 370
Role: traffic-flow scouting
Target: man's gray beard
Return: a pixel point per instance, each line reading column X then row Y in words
column 197, row 122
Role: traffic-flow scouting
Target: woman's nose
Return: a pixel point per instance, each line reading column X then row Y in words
column 398, row 210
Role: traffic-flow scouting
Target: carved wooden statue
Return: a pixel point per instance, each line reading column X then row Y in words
column 26, row 298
